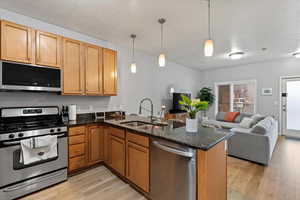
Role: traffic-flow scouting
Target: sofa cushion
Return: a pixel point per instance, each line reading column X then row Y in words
column 263, row 126
column 241, row 116
column 226, row 125
column 241, row 130
column 246, row 122
column 220, row 116
column 230, row 116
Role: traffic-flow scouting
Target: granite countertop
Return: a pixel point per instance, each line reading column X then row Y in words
column 204, row 139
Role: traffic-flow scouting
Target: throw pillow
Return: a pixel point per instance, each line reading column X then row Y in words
column 246, row 122
column 220, row 116
column 230, row 116
column 241, row 117
column 257, row 118
column 263, row 126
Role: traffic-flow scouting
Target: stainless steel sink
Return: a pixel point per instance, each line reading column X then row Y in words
column 151, row 127
column 135, row 123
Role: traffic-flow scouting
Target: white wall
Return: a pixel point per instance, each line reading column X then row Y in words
column 267, row 75
column 150, row 81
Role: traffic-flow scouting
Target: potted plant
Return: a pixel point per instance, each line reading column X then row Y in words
column 192, row 107
column 206, row 94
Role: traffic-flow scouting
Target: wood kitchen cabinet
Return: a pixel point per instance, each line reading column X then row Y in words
column 95, row 144
column 117, row 150
column 137, row 160
column 73, row 67
column 93, row 70
column 109, row 72
column 106, row 146
column 48, row 49
column 77, row 148
column 16, row 42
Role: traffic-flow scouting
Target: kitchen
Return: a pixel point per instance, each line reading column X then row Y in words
column 92, row 139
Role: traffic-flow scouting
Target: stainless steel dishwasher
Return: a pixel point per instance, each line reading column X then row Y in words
column 173, row 171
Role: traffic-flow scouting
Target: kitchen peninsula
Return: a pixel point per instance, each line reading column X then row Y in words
column 127, row 148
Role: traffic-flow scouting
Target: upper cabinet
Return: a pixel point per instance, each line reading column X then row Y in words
column 93, row 70
column 48, row 49
column 110, row 72
column 16, row 42
column 73, row 67
column 87, row 69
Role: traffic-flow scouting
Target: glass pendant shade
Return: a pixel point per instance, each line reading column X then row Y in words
column 209, row 48
column 162, row 60
column 133, row 68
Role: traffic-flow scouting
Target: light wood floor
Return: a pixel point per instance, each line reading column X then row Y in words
column 246, row 180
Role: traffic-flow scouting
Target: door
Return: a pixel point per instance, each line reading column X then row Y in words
column 95, row 143
column 290, row 99
column 137, row 169
column 73, row 70
column 48, row 49
column 93, row 70
column 117, row 150
column 16, row 42
column 110, row 72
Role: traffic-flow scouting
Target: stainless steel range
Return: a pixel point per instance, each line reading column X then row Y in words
column 16, row 124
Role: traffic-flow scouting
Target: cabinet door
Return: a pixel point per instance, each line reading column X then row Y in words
column 93, row 70
column 117, row 148
column 110, row 72
column 137, row 168
column 73, row 74
column 106, row 151
column 16, row 42
column 95, row 144
column 48, row 49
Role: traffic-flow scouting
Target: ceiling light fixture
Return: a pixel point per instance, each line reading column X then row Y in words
column 162, row 56
column 133, row 63
column 209, row 44
column 296, row 54
column 236, row 55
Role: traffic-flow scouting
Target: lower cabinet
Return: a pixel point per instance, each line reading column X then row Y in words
column 137, row 163
column 117, row 148
column 86, row 146
column 95, row 144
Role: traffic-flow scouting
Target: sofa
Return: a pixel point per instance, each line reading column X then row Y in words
column 255, row 142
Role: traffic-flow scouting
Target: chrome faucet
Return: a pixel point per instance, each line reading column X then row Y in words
column 140, row 108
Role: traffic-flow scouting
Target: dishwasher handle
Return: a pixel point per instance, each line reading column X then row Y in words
column 172, row 150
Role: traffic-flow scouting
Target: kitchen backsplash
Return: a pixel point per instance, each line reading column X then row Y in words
column 84, row 104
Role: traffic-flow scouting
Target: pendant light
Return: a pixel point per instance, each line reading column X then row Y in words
column 209, row 44
column 133, row 63
column 162, row 56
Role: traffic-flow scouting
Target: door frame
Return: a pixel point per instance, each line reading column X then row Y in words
column 231, row 83
column 281, row 118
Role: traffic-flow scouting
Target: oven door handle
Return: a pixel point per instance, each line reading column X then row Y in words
column 18, row 142
column 22, row 185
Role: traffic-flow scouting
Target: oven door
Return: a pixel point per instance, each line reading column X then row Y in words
column 12, row 171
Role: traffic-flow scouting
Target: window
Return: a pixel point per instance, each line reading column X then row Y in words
column 239, row 96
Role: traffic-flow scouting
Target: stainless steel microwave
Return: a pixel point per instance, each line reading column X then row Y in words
column 16, row 76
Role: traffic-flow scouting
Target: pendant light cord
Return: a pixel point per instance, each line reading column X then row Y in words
column 133, row 49
column 209, row 20
column 161, row 37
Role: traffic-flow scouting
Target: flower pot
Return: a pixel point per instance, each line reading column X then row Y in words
column 191, row 125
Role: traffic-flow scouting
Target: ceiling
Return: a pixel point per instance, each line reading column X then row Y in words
column 246, row 25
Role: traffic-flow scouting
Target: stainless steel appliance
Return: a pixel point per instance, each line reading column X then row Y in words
column 173, row 171
column 17, row 179
column 16, row 76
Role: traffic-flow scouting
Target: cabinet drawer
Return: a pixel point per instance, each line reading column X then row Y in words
column 120, row 133
column 137, row 139
column 79, row 130
column 77, row 139
column 76, row 163
column 76, row 150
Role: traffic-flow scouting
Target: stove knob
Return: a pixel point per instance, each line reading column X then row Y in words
column 51, row 130
column 58, row 130
column 21, row 134
column 11, row 136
